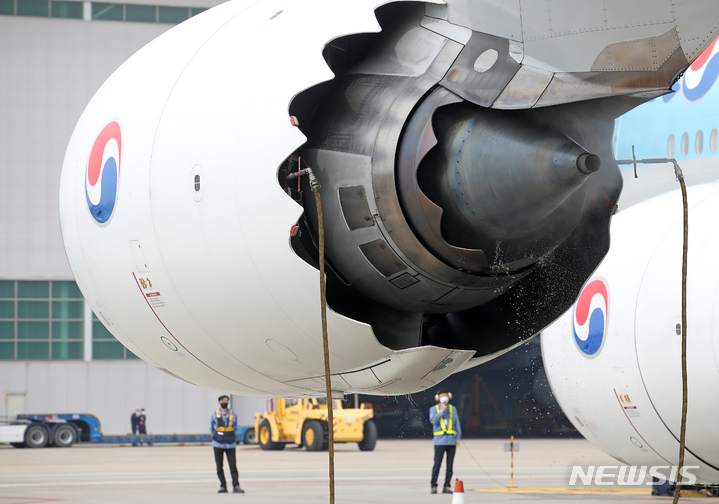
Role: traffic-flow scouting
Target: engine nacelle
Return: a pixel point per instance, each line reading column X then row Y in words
column 614, row 360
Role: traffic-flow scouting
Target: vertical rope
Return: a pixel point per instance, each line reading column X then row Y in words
column 325, row 342
column 315, row 185
column 685, row 393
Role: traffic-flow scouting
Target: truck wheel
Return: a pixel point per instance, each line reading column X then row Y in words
column 36, row 436
column 249, row 437
column 65, row 436
column 370, row 436
column 313, row 436
column 265, row 434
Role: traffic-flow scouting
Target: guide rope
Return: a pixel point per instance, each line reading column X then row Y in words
column 464, row 443
column 315, row 186
column 680, row 178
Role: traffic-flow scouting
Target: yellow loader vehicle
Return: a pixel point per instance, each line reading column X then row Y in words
column 304, row 422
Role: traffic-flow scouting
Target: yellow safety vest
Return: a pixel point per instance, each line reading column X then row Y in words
column 229, row 428
column 446, row 429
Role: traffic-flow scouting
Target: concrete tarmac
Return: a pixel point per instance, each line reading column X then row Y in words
column 396, row 471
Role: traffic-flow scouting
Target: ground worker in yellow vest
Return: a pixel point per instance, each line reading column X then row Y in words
column 447, row 433
column 223, row 427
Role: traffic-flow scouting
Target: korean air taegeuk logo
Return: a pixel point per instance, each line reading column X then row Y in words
column 591, row 313
column 103, row 173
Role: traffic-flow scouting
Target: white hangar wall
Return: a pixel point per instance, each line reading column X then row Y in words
column 112, row 390
column 51, row 68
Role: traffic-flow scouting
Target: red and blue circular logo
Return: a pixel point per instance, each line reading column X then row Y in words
column 702, row 74
column 700, row 77
column 103, row 173
column 591, row 313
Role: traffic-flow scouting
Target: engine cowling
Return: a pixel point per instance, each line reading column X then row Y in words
column 614, row 360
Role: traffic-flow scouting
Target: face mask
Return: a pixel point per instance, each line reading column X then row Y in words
column 444, row 399
column 223, row 405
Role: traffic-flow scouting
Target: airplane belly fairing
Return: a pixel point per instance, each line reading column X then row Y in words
column 455, row 229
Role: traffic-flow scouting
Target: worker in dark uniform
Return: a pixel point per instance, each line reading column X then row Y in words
column 142, row 426
column 134, row 422
column 223, row 427
column 447, row 433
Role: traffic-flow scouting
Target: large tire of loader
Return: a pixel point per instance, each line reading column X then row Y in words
column 313, row 436
column 265, row 436
column 369, row 440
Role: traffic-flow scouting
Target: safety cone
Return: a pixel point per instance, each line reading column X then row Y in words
column 458, row 496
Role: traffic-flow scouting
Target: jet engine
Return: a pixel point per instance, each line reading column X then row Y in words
column 437, row 208
column 467, row 193
column 614, row 360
